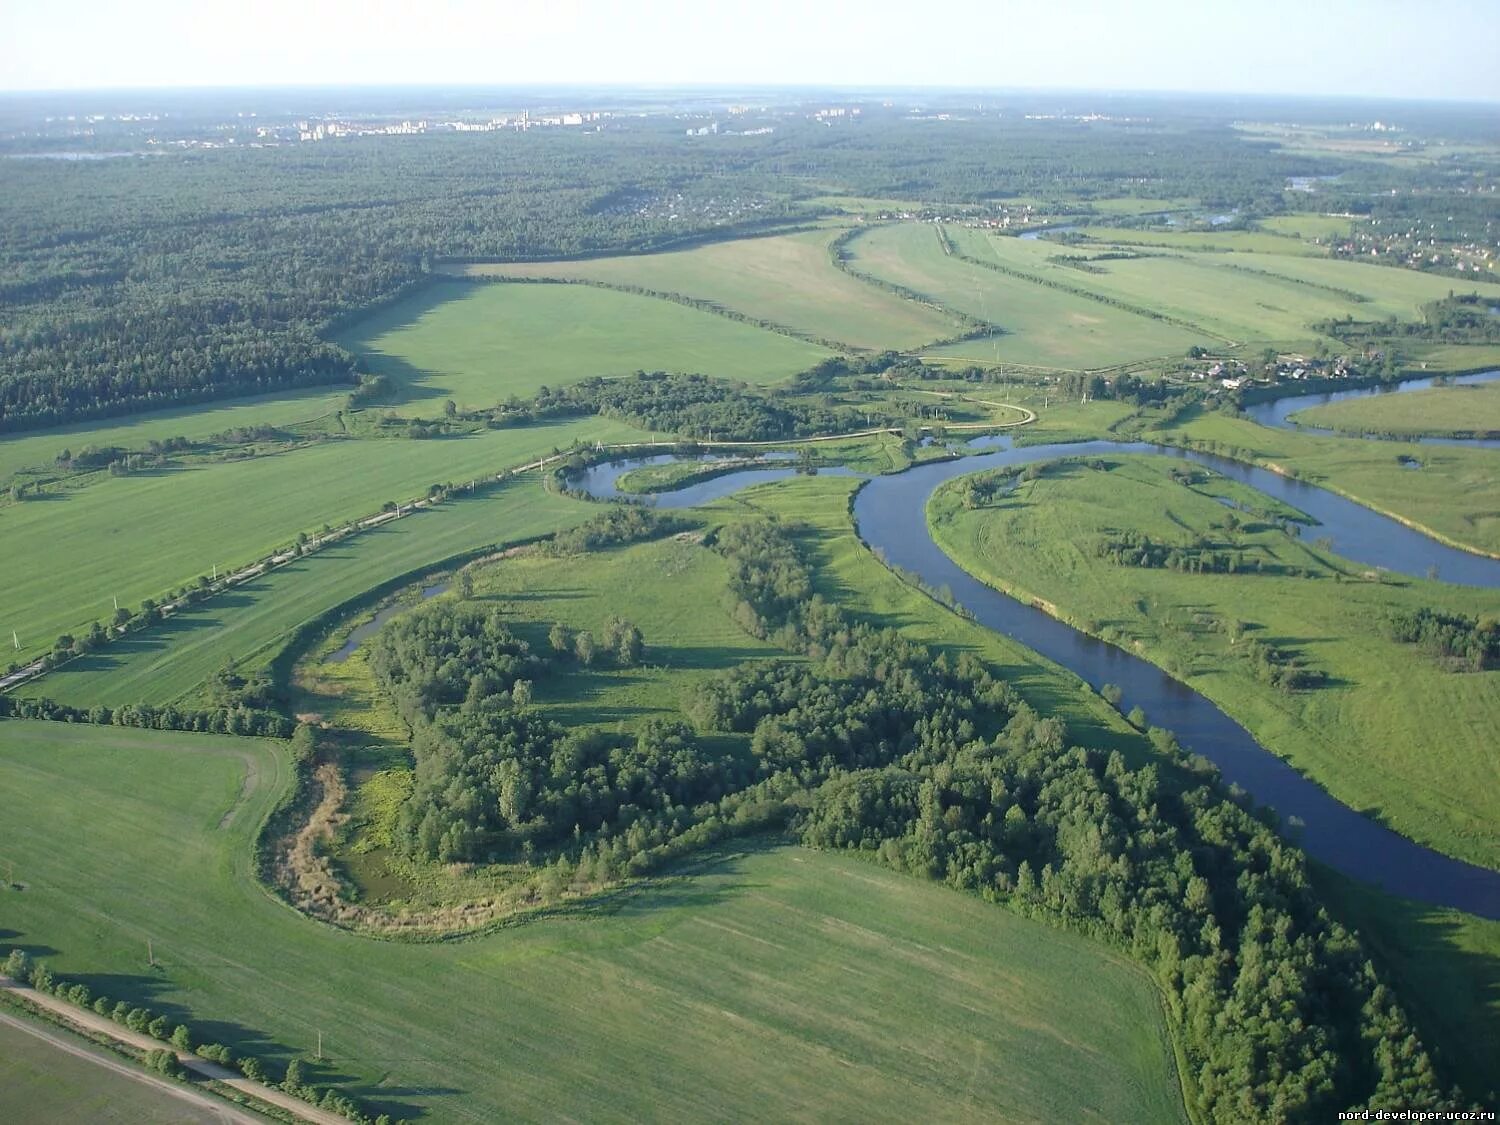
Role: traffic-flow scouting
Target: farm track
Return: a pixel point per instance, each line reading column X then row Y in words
column 90, row 1021
column 222, row 1110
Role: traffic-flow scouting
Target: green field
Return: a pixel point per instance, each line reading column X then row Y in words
column 134, row 537
column 768, row 982
column 1245, row 297
column 1192, row 241
column 672, row 589
column 786, row 280
column 167, row 663
column 1040, row 326
column 480, row 343
column 39, row 449
column 1455, row 494
column 1439, row 411
column 1306, row 224
column 40, row 1083
column 1391, row 731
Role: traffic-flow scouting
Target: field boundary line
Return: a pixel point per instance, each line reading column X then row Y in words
column 261, row 567
column 221, row 1108
column 90, row 1021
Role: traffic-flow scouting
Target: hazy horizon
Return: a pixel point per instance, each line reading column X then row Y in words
column 1356, row 49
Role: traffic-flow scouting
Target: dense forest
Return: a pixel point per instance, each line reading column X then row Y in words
column 127, row 284
column 867, row 741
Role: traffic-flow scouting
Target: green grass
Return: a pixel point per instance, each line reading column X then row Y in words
column 1441, row 410
column 1446, row 967
column 1392, row 732
column 773, row 983
column 1041, row 326
column 1246, row 297
column 480, row 343
column 847, row 572
column 787, row 280
column 134, row 537
column 1455, row 494
column 1192, row 241
column 39, row 450
column 1306, row 224
column 41, row 1083
column 673, row 589
column 248, row 625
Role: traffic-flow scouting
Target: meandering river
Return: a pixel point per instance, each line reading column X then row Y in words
column 890, row 515
column 1278, row 411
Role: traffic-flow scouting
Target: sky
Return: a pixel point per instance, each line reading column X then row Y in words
column 1374, row 48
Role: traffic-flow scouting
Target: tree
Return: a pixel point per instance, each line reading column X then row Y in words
column 630, row 646
column 583, row 648
column 559, row 638
column 294, row 1079
column 18, row 965
column 465, row 584
column 520, row 694
column 450, row 408
column 182, row 1038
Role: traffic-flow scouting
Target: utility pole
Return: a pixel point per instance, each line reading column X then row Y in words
column 150, row 954
column 320, row 1044
column 16, row 640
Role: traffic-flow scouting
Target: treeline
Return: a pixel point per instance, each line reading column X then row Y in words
column 1136, row 548
column 1126, row 387
column 694, row 406
column 179, row 1037
column 1457, row 319
column 616, row 526
column 936, row 769
column 241, row 720
column 1469, row 644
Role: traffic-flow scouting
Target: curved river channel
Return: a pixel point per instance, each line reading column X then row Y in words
column 1278, row 411
column 890, row 515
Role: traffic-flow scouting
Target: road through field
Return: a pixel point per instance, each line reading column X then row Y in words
column 92, row 1021
column 216, row 1108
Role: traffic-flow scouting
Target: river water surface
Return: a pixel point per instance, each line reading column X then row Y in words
column 1277, row 412
column 890, row 515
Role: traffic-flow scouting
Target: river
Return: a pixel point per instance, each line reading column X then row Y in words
column 1278, row 411
column 890, row 516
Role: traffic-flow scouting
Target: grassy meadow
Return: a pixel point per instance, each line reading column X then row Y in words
column 1455, row 493
column 168, row 663
column 768, row 982
column 39, row 449
column 786, row 280
column 480, row 343
column 137, row 536
column 1391, row 731
column 1039, row 326
column 1247, row 297
column 1439, row 411
column 1192, row 241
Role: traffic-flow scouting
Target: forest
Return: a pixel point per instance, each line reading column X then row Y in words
column 132, row 284
column 869, row 742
